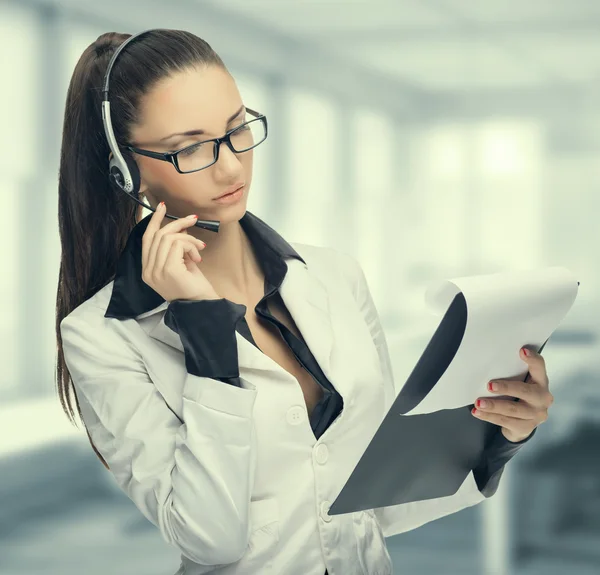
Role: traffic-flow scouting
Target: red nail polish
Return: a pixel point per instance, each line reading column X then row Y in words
column 478, row 403
column 473, row 411
column 526, row 352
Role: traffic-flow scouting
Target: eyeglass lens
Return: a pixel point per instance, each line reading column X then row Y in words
column 196, row 157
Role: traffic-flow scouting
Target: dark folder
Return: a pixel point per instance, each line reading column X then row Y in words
column 426, row 455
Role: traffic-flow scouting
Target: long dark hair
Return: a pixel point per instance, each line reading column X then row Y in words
column 94, row 219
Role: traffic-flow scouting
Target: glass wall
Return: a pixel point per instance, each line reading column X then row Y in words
column 20, row 156
column 312, row 187
column 449, row 191
column 256, row 96
column 374, row 195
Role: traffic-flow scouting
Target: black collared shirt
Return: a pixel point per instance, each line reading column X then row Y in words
column 207, row 327
column 207, row 331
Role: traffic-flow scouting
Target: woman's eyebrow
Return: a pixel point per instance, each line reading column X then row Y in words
column 198, row 132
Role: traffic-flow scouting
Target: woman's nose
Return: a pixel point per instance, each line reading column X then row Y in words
column 228, row 160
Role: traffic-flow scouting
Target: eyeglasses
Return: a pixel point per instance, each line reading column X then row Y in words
column 203, row 154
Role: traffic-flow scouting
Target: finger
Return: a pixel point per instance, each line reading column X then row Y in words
column 165, row 230
column 165, row 245
column 192, row 264
column 183, row 235
column 152, row 227
column 179, row 224
column 164, row 250
column 532, row 393
column 177, row 255
column 537, row 366
column 519, row 410
column 515, row 425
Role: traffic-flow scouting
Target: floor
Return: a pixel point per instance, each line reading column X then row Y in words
column 104, row 534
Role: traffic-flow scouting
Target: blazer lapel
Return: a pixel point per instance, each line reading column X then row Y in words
column 158, row 330
column 307, row 300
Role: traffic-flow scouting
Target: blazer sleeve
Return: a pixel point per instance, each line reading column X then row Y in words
column 191, row 477
column 207, row 332
column 497, row 454
column 396, row 519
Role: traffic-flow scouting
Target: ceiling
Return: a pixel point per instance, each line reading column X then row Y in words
column 447, row 45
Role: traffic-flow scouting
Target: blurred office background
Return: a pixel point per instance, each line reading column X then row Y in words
column 431, row 138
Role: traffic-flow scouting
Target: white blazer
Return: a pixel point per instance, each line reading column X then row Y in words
column 234, row 477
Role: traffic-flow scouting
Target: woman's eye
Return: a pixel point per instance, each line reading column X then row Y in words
column 189, row 151
column 242, row 127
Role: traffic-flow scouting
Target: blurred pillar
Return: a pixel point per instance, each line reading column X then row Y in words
column 496, row 544
column 374, row 144
column 473, row 191
column 36, row 293
column 279, row 134
column 343, row 228
column 396, row 235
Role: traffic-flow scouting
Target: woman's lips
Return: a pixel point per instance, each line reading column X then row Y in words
column 232, row 197
column 232, row 190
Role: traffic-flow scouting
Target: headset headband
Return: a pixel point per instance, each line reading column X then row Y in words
column 118, row 166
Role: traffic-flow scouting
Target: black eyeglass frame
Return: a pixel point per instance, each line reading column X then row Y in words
column 172, row 156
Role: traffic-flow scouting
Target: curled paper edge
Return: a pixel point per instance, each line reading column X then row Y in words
column 440, row 293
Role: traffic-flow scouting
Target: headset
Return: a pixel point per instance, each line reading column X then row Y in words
column 123, row 170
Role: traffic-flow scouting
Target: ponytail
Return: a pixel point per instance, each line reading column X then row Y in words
column 93, row 221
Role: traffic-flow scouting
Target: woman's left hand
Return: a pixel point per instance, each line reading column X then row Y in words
column 518, row 419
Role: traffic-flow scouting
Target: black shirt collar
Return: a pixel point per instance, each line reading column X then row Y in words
column 131, row 296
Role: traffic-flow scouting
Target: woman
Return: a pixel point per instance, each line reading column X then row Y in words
column 228, row 381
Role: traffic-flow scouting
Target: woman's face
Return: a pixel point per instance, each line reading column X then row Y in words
column 196, row 99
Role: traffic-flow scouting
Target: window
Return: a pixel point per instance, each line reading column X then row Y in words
column 509, row 156
column 312, row 190
column 473, row 181
column 255, row 96
column 19, row 98
column 19, row 160
column 373, row 204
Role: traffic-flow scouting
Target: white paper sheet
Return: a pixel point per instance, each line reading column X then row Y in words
column 505, row 311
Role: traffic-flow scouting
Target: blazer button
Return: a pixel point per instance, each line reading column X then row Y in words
column 325, row 512
column 295, row 415
column 321, row 453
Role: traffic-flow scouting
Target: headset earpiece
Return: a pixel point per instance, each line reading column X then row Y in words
column 125, row 176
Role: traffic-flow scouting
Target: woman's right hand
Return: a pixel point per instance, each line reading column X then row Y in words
column 169, row 259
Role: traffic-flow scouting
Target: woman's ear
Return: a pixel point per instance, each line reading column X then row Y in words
column 144, row 195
